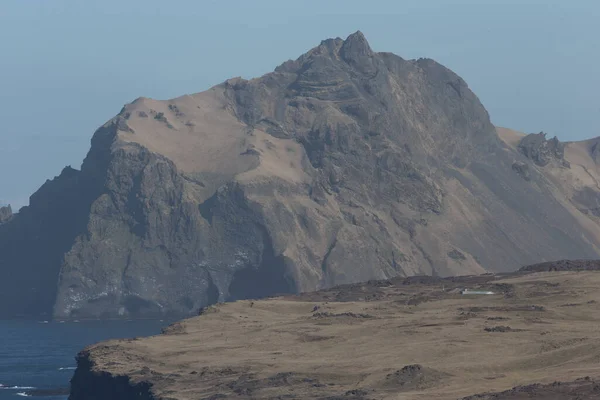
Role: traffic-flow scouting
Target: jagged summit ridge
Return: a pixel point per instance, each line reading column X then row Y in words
column 354, row 47
column 356, row 51
column 341, row 166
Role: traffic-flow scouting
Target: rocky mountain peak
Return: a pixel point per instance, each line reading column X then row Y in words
column 357, row 53
column 356, row 47
column 343, row 165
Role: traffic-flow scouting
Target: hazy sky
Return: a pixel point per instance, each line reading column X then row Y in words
column 68, row 66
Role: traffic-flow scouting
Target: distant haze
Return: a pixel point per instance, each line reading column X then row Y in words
column 68, row 66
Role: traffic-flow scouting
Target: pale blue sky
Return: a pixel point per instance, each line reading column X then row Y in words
column 67, row 66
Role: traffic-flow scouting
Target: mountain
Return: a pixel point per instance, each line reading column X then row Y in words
column 344, row 165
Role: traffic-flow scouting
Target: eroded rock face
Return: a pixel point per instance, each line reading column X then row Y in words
column 342, row 166
column 541, row 150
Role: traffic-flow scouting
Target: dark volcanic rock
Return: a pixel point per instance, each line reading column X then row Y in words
column 413, row 377
column 499, row 328
column 47, row 392
column 344, row 165
column 522, row 169
column 563, row 265
column 541, row 150
column 585, row 388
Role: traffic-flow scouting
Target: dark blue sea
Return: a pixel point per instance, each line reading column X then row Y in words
column 42, row 354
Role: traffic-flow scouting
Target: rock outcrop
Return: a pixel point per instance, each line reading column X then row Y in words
column 522, row 169
column 5, row 214
column 344, row 165
column 541, row 150
column 90, row 384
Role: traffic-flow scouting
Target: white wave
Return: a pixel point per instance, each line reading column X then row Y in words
column 65, row 368
column 23, row 394
column 16, row 387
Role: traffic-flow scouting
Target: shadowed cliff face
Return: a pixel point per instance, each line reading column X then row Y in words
column 34, row 241
column 341, row 166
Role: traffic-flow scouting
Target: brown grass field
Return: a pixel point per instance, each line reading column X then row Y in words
column 407, row 338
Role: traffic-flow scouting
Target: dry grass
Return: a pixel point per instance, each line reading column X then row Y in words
column 359, row 345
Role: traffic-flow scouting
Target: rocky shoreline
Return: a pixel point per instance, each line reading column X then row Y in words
column 91, row 383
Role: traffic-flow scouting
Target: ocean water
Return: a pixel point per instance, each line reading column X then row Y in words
column 41, row 354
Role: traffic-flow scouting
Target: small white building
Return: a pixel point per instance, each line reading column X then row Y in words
column 470, row 291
